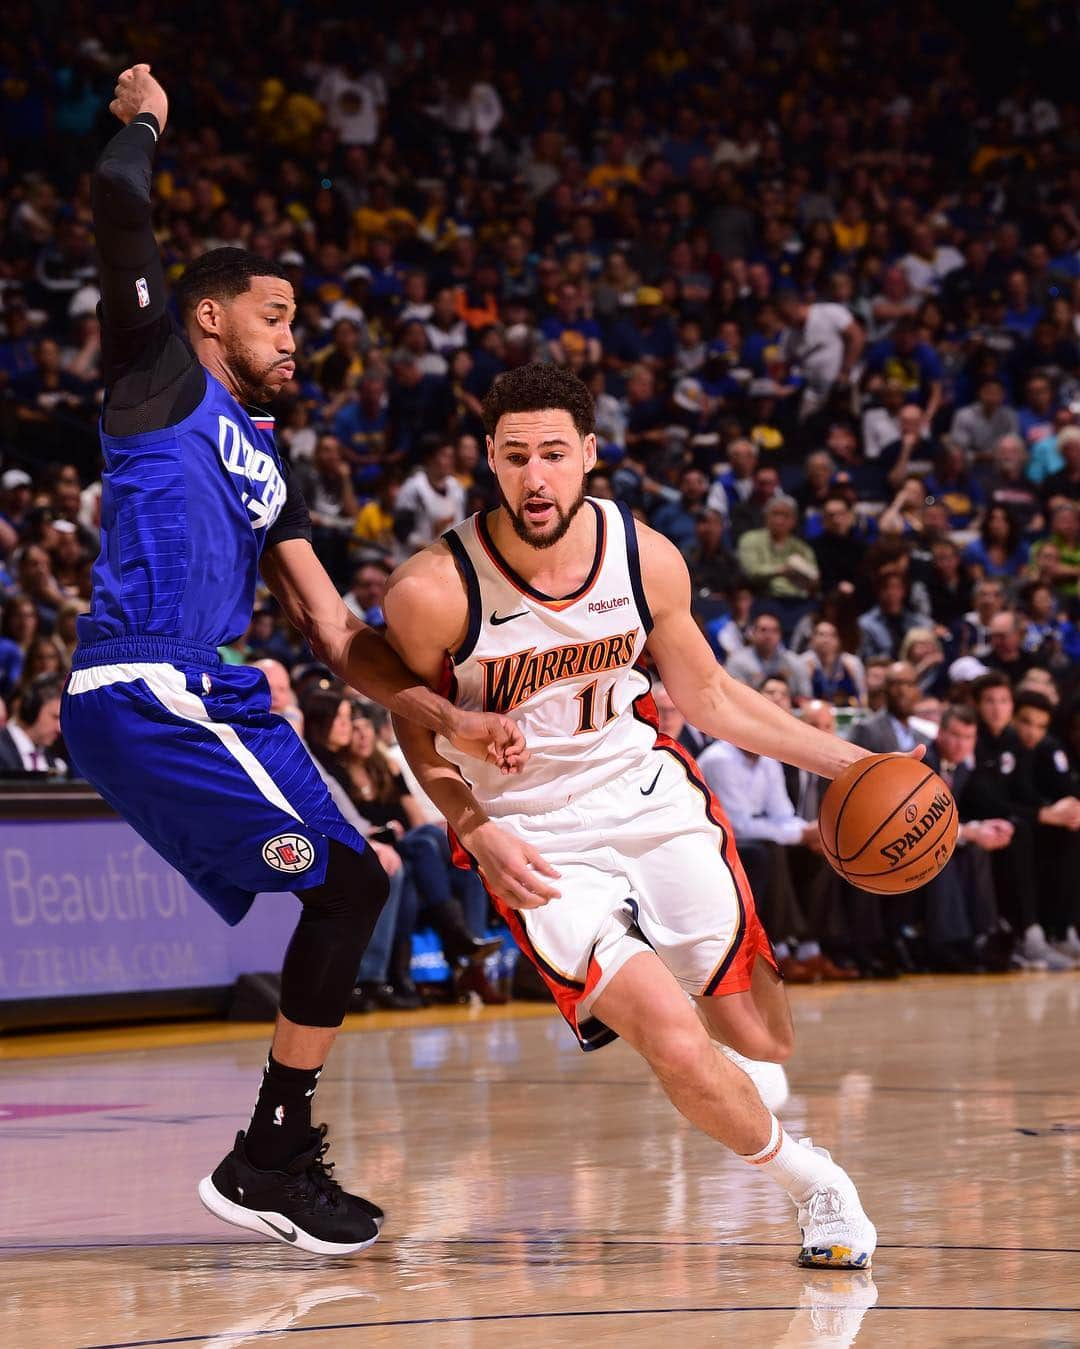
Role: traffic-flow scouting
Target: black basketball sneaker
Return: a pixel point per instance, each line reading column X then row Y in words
column 302, row 1205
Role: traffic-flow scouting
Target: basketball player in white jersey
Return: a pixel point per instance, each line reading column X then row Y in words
column 612, row 863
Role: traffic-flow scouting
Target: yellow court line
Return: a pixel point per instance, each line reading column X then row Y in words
column 175, row 1034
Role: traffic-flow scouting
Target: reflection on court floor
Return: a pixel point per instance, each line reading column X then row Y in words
column 539, row 1196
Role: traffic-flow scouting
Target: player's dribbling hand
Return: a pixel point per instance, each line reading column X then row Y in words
column 511, row 869
column 919, row 752
column 488, row 736
column 137, row 91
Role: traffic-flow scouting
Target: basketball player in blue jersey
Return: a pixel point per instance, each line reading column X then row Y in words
column 612, row 863
column 194, row 503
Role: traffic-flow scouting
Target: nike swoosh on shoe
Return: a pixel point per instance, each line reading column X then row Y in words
column 285, row 1236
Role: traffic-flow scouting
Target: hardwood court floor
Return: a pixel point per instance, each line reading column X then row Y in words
column 541, row 1197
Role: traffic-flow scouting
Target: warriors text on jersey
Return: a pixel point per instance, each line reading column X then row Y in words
column 563, row 669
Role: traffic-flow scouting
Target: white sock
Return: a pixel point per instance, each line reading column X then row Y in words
column 797, row 1170
column 781, row 950
column 807, row 950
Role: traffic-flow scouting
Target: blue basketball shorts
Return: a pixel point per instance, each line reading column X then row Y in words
column 188, row 752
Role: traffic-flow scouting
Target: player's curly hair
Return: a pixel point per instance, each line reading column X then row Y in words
column 220, row 274
column 535, row 388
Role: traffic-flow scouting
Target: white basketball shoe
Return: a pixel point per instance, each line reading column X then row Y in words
column 836, row 1232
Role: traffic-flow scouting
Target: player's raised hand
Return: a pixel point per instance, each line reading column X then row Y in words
column 137, row 91
column 488, row 736
column 512, row 870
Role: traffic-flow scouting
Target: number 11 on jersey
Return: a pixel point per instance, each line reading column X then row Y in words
column 586, row 700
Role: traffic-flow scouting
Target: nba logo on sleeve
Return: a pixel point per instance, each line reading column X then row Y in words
column 142, row 290
column 288, row 852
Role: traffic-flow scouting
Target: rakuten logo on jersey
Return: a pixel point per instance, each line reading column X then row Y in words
column 606, row 606
column 265, row 488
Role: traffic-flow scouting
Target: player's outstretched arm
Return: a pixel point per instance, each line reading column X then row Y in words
column 132, row 284
column 706, row 694
column 427, row 615
column 360, row 656
column 151, row 373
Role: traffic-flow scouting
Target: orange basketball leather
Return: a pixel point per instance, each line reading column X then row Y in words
column 888, row 824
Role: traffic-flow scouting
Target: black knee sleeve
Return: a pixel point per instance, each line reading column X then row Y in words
column 319, row 971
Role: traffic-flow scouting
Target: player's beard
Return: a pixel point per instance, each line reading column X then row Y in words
column 253, row 376
column 534, row 537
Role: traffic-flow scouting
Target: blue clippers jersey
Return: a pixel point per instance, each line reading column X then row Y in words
column 184, row 516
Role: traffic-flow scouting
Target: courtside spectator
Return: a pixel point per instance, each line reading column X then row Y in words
column 780, row 566
column 1003, row 787
column 27, row 740
column 766, row 655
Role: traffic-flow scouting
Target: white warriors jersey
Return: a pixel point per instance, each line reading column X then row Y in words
column 563, row 669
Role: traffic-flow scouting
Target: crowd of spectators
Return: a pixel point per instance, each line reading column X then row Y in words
column 820, row 269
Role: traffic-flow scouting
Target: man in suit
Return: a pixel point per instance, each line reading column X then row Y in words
column 803, row 787
column 882, row 929
column 959, row 909
column 1057, row 850
column 816, row 884
column 26, row 742
column 1002, row 785
column 777, row 845
column 675, row 725
column 889, row 731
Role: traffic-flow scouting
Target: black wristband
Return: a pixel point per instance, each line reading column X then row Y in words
column 148, row 119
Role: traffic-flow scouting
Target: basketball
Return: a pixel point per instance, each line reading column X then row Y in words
column 888, row 824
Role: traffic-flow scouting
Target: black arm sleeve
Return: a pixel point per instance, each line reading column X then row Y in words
column 120, row 194
column 152, row 377
column 294, row 522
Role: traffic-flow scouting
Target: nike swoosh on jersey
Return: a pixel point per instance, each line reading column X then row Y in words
column 648, row 791
column 507, row 618
column 286, row 1236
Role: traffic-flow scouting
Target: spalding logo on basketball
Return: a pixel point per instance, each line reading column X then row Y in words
column 888, row 824
column 288, row 852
